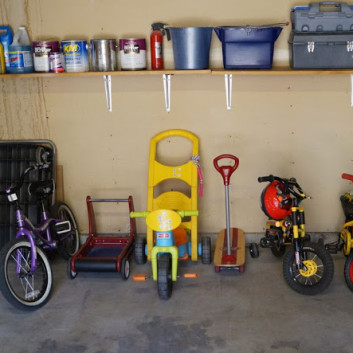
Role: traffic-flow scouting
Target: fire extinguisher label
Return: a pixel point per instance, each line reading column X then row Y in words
column 158, row 50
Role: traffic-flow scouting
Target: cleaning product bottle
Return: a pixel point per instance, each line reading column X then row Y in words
column 6, row 40
column 2, row 60
column 156, row 41
column 20, row 53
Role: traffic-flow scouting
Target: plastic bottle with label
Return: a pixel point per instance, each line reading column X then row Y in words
column 2, row 60
column 20, row 53
column 6, row 40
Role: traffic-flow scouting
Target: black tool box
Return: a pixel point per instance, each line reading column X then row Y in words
column 326, row 50
column 15, row 157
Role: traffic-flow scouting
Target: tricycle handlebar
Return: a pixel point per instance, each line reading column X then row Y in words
column 181, row 213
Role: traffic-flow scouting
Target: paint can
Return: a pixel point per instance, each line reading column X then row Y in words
column 103, row 54
column 56, row 62
column 132, row 54
column 41, row 50
column 76, row 55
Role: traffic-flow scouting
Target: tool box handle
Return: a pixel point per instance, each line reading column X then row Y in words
column 226, row 170
column 317, row 7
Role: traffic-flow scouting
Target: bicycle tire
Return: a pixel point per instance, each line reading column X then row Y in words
column 164, row 280
column 348, row 271
column 27, row 291
column 69, row 246
column 322, row 265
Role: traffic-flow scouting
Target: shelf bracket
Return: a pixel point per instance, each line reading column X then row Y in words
column 108, row 91
column 166, row 84
column 228, row 82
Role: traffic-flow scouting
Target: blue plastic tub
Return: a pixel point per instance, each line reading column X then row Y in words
column 248, row 47
column 191, row 47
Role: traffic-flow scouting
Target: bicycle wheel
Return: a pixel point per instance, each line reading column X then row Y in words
column 69, row 245
column 317, row 273
column 348, row 271
column 164, row 280
column 21, row 287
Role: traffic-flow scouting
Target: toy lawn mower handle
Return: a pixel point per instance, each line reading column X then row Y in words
column 347, row 176
column 226, row 170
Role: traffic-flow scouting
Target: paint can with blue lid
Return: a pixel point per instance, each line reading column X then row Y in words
column 76, row 55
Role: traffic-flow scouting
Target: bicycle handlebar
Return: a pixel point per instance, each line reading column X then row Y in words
column 18, row 185
column 347, row 176
column 291, row 184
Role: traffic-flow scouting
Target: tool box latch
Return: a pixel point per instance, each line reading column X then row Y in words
column 311, row 47
column 349, row 46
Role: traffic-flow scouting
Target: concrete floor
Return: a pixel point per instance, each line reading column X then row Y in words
column 253, row 312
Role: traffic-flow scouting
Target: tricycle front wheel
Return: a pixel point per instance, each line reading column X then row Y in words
column 164, row 279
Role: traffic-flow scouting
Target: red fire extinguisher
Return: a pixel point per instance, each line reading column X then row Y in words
column 157, row 46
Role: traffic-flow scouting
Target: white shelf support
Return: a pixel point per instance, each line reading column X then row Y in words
column 166, row 84
column 228, row 82
column 108, row 91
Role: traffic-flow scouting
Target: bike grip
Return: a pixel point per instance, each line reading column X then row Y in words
column 263, row 179
column 347, row 176
column 143, row 214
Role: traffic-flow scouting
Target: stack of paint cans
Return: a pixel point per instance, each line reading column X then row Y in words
column 47, row 56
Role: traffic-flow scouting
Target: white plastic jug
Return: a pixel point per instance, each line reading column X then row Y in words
column 20, row 53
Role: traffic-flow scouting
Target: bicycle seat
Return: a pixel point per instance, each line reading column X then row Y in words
column 41, row 188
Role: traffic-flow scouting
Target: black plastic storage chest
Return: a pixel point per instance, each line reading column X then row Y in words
column 15, row 157
column 329, row 50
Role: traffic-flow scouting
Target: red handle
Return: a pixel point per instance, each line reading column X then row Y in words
column 226, row 170
column 347, row 176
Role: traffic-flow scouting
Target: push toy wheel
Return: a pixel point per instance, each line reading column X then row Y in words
column 125, row 269
column 70, row 273
column 20, row 286
column 348, row 271
column 70, row 245
column 206, row 250
column 139, row 251
column 164, row 280
column 317, row 273
column 254, row 250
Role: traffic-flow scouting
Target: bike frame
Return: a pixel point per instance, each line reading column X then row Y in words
column 34, row 233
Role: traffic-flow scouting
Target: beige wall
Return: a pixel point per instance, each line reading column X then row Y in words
column 287, row 125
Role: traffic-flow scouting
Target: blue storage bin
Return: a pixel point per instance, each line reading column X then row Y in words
column 248, row 47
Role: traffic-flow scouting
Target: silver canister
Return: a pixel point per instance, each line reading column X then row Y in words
column 104, row 55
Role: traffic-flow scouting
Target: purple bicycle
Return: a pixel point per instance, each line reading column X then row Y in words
column 25, row 274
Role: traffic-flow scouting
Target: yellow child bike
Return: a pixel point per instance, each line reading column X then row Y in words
column 344, row 241
column 307, row 266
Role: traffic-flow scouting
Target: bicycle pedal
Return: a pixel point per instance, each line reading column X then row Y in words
column 332, row 249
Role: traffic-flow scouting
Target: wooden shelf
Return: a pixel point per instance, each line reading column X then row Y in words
column 167, row 74
column 281, row 71
column 110, row 73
